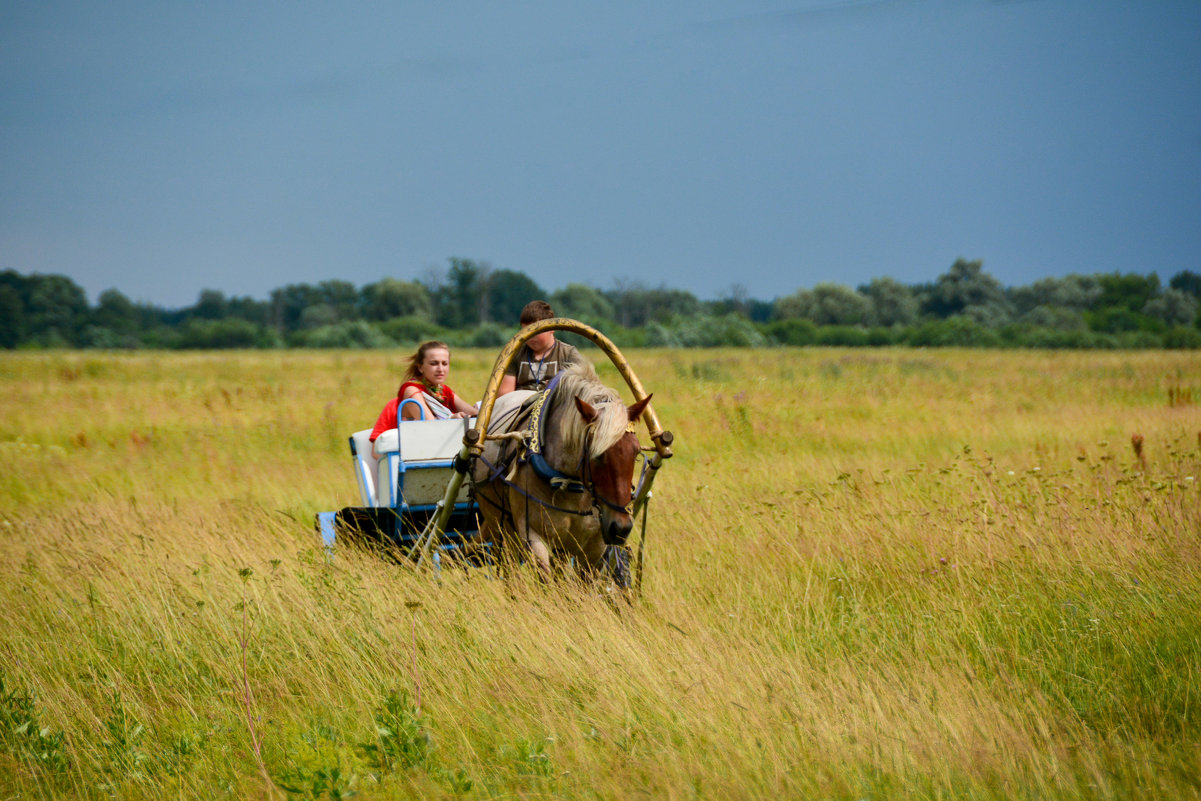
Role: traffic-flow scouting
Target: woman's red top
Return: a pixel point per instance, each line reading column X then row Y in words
column 387, row 418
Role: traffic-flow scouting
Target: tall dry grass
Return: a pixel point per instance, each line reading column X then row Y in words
column 870, row 574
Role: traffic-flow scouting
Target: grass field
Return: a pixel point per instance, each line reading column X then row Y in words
column 869, row 575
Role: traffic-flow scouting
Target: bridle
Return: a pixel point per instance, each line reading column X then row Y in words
column 585, row 469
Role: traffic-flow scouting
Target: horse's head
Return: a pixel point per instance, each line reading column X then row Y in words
column 609, row 470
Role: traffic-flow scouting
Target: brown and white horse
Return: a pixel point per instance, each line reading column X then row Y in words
column 562, row 481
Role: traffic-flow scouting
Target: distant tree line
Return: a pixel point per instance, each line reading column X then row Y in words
column 470, row 304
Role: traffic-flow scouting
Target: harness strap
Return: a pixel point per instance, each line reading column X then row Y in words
column 552, row 476
column 495, row 472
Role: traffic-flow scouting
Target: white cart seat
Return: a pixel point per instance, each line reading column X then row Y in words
column 415, row 462
column 364, row 466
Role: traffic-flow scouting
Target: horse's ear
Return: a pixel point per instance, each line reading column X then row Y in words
column 638, row 408
column 586, row 411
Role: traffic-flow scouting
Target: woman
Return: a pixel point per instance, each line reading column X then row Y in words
column 424, row 382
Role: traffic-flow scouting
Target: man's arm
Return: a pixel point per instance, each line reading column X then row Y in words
column 507, row 385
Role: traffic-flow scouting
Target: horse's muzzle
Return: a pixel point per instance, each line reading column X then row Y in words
column 615, row 530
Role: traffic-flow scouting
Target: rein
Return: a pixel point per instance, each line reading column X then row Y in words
column 496, row 472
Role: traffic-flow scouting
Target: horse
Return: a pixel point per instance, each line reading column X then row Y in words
column 556, row 475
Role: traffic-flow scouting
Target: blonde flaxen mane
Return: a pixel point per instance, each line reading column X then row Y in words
column 580, row 380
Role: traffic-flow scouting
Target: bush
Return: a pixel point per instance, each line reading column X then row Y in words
column 660, row 336
column 228, row 333
column 705, row 331
column 1116, row 320
column 160, row 338
column 792, row 332
column 954, row 331
column 1023, row 335
column 411, row 330
column 622, row 337
column 878, row 336
column 850, row 336
column 98, row 336
column 1055, row 317
column 488, row 335
column 1181, row 338
column 1139, row 340
column 357, row 334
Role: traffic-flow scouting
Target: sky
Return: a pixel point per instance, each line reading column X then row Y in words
column 738, row 148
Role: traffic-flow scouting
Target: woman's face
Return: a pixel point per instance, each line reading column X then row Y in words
column 436, row 366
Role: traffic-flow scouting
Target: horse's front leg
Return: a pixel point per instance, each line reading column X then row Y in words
column 528, row 540
column 540, row 553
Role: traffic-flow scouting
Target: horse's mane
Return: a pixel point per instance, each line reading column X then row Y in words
column 580, row 381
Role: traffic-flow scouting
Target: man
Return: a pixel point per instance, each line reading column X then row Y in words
column 539, row 359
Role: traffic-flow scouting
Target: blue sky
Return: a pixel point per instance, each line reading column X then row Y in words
column 165, row 147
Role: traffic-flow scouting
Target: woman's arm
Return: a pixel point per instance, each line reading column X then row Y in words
column 463, row 408
column 408, row 412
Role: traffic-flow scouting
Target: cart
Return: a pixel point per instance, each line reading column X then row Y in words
column 417, row 500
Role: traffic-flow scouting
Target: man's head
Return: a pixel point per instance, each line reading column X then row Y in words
column 535, row 311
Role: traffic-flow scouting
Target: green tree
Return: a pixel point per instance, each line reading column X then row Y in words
column 342, row 297
column 892, row 303
column 582, row 302
column 211, row 305
column 1075, row 292
column 249, row 309
column 835, row 304
column 1127, row 291
column 12, row 317
column 1115, row 320
column 117, row 313
column 1058, row 318
column 57, row 308
column 319, row 315
column 1187, row 281
column 508, row 292
column 735, row 300
column 288, row 304
column 389, row 298
column 993, row 314
column 964, row 285
column 826, row 304
column 635, row 305
column 1174, row 307
column 460, row 298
